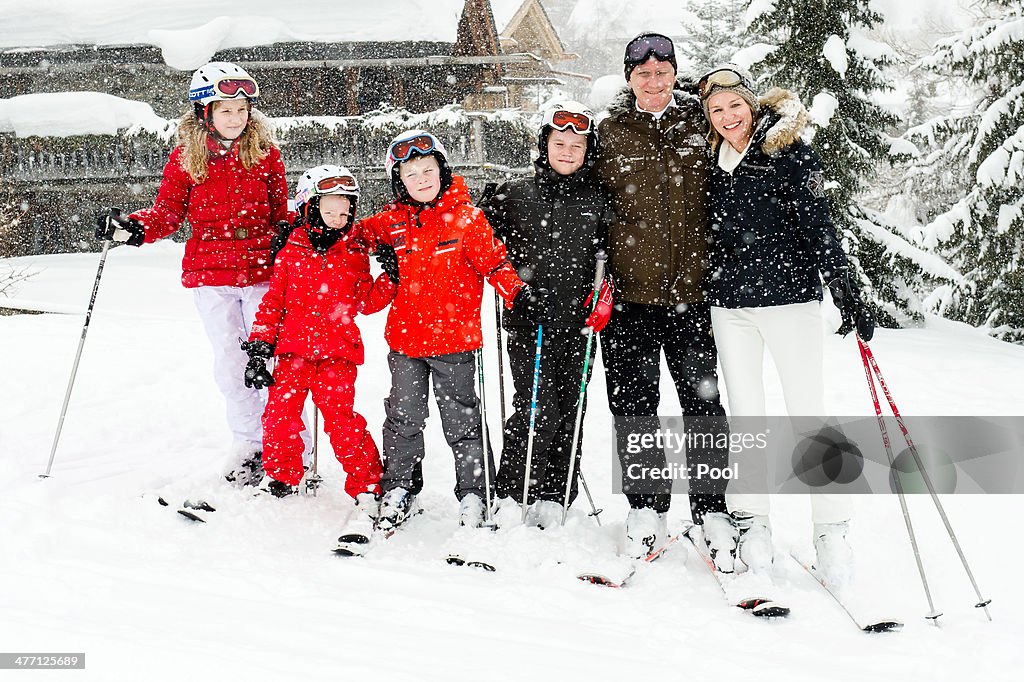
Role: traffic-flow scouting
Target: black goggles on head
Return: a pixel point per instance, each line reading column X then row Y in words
column 642, row 47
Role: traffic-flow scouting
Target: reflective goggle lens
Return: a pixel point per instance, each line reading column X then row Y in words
column 643, row 47
column 342, row 181
column 723, row 78
column 403, row 149
column 580, row 123
column 229, row 87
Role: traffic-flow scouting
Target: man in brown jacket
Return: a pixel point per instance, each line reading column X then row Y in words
column 654, row 161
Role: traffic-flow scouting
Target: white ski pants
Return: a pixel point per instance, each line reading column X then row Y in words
column 227, row 314
column 793, row 336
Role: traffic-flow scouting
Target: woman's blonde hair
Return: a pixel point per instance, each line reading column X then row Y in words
column 253, row 146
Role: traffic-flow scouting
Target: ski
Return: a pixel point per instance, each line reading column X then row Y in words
column 190, row 508
column 864, row 626
column 457, row 560
column 605, row 581
column 762, row 607
column 352, row 544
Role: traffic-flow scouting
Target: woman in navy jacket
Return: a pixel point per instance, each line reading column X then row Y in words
column 773, row 243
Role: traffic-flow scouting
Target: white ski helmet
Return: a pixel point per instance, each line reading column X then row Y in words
column 323, row 180
column 410, row 142
column 219, row 81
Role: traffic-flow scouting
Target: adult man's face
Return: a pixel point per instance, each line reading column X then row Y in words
column 652, row 83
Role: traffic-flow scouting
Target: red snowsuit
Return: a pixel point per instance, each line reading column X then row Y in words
column 232, row 213
column 442, row 250
column 308, row 315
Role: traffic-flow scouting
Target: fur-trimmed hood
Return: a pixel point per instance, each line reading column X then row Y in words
column 781, row 121
column 684, row 93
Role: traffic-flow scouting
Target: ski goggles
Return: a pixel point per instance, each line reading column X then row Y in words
column 228, row 87
column 342, row 182
column 403, row 149
column 641, row 48
column 560, row 119
column 721, row 78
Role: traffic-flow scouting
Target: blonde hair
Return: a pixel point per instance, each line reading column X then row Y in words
column 254, row 145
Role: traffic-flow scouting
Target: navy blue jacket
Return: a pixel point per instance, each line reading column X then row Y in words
column 771, row 233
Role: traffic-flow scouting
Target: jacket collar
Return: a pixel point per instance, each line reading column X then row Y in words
column 781, row 123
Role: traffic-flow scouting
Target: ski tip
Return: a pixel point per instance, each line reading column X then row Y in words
column 456, row 560
column 354, row 539
column 883, row 626
column 191, row 516
column 345, row 551
column 603, row 580
column 201, row 505
column 162, row 502
column 763, row 608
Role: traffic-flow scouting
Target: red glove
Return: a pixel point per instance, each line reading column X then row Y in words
column 603, row 310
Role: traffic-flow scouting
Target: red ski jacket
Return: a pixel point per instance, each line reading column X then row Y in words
column 310, row 308
column 232, row 213
column 445, row 250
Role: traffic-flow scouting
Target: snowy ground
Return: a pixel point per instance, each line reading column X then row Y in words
column 91, row 563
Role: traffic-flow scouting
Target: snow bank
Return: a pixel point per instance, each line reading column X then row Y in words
column 62, row 114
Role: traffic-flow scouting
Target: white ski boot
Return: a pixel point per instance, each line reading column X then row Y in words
column 246, row 468
column 544, row 514
column 835, row 556
column 646, row 531
column 471, row 511
column 395, row 508
column 755, row 549
column 720, row 536
column 359, row 529
column 507, row 513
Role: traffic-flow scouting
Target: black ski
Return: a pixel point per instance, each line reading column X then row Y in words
column 189, row 509
column 761, row 607
column 457, row 560
column 869, row 626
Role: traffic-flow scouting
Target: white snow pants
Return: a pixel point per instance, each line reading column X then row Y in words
column 793, row 336
column 227, row 314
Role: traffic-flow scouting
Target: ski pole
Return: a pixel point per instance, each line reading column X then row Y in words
column 313, row 482
column 533, row 420
column 933, row 614
column 501, row 365
column 114, row 213
column 870, row 358
column 485, row 438
column 594, row 511
column 598, row 279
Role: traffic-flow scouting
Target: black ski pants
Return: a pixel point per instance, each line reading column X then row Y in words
column 631, row 346
column 561, row 369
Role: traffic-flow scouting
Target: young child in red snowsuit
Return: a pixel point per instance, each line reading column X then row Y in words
column 307, row 319
column 439, row 249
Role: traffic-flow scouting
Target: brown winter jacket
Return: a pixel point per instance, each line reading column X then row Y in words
column 657, row 174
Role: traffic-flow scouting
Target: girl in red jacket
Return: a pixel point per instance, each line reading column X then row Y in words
column 227, row 179
column 321, row 281
column 438, row 248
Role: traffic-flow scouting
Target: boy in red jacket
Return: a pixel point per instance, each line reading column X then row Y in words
column 438, row 248
column 321, row 281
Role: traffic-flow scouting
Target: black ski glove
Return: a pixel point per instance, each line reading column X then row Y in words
column 256, row 373
column 112, row 227
column 278, row 241
column 388, row 259
column 856, row 315
column 531, row 304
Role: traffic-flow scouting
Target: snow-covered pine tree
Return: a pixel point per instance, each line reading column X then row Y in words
column 822, row 51
column 982, row 232
column 715, row 33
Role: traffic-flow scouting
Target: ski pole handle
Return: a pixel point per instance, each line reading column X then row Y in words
column 602, row 260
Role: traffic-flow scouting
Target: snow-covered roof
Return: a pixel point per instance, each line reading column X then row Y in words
column 504, row 11
column 189, row 32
